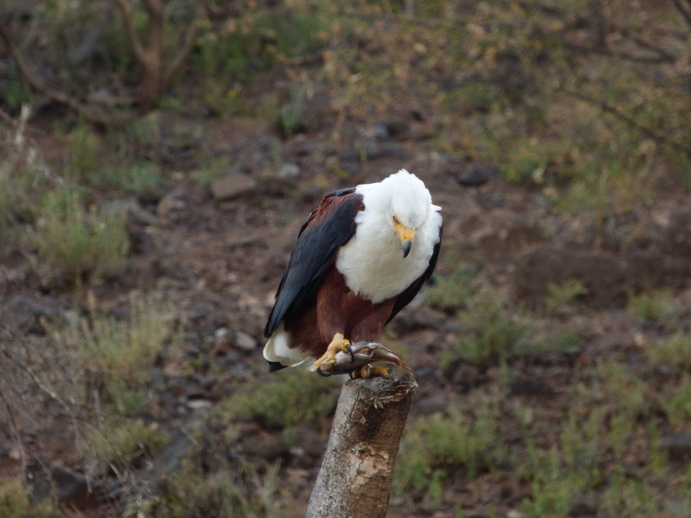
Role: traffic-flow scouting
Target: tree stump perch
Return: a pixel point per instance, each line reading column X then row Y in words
column 357, row 470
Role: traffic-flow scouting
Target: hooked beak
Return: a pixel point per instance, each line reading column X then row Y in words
column 406, row 235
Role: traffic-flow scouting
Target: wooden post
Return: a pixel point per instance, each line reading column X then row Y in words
column 355, row 477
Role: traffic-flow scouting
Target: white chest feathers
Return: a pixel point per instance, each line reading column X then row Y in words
column 372, row 261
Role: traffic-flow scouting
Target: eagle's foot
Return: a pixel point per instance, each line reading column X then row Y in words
column 372, row 371
column 356, row 360
column 338, row 345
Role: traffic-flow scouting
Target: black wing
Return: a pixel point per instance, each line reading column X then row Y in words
column 329, row 227
column 409, row 294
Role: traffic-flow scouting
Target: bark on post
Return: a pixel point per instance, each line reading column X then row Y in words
column 355, row 477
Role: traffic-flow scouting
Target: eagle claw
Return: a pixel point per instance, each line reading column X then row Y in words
column 358, row 359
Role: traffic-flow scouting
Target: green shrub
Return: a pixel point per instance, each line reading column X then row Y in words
column 15, row 501
column 658, row 306
column 490, row 333
column 453, row 292
column 72, row 242
column 434, row 447
column 120, row 441
column 243, row 492
column 560, row 296
column 675, row 350
column 289, row 398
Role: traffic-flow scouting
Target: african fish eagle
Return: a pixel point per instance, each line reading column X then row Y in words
column 361, row 256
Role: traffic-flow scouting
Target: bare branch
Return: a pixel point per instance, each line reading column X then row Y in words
column 56, row 95
column 631, row 121
column 684, row 10
column 188, row 44
column 128, row 18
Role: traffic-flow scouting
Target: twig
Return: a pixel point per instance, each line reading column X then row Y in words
column 86, row 111
column 187, row 46
column 684, row 10
column 628, row 119
column 356, row 474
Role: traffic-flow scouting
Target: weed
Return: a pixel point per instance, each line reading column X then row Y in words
column 560, row 296
column 658, row 306
column 72, row 242
column 677, row 405
column 223, row 100
column 23, row 175
column 288, row 399
column 140, row 178
column 437, row 445
column 212, row 170
column 257, row 43
column 292, row 112
column 15, row 501
column 83, row 149
column 120, row 441
column 490, row 333
column 126, row 351
column 675, row 351
column 453, row 292
column 241, row 492
column 117, row 356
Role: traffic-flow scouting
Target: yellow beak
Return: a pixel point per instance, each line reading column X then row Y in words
column 406, row 235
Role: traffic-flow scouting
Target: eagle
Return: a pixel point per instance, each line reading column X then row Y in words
column 361, row 256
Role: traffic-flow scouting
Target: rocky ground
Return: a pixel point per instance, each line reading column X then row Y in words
column 216, row 251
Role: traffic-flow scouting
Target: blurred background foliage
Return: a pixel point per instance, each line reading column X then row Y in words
column 585, row 103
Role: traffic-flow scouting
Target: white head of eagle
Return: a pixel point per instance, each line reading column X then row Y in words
column 361, row 256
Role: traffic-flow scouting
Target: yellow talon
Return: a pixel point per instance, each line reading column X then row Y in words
column 338, row 344
column 371, row 371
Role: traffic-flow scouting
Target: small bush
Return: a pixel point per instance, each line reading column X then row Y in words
column 15, row 501
column 560, row 296
column 658, row 306
column 293, row 111
column 437, row 446
column 677, row 405
column 453, row 292
column 490, row 333
column 126, row 351
column 675, row 351
column 290, row 398
column 242, row 492
column 121, row 441
column 72, row 242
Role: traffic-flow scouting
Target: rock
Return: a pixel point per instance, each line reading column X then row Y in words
column 68, row 486
column 529, row 386
column 431, row 404
column 135, row 212
column 244, row 341
column 678, row 446
column 477, row 175
column 169, row 203
column 676, row 237
column 221, row 341
column 233, row 186
column 170, row 459
column 463, row 375
column 25, row 313
column 289, row 171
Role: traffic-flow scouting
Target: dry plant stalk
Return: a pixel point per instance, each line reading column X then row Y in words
column 356, row 474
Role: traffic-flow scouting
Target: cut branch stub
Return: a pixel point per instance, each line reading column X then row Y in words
column 356, row 474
